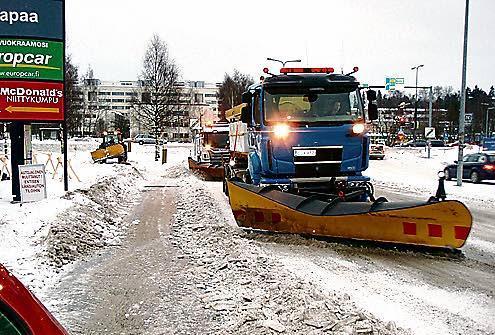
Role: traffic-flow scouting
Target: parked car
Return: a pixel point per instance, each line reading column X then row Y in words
column 21, row 313
column 417, row 143
column 377, row 151
column 477, row 167
column 437, row 143
column 146, row 139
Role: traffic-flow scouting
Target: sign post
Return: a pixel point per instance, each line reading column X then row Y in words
column 32, row 64
column 391, row 83
column 429, row 134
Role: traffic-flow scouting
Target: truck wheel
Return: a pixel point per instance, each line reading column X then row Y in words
column 475, row 177
column 141, row 142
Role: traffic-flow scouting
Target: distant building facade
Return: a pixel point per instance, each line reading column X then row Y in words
column 109, row 105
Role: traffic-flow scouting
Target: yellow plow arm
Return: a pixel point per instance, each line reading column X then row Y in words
column 444, row 224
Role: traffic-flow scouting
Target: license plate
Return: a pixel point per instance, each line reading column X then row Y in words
column 304, row 153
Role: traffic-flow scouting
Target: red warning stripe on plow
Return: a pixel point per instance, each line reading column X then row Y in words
column 409, row 228
column 461, row 233
column 276, row 218
column 435, row 230
column 259, row 217
column 239, row 213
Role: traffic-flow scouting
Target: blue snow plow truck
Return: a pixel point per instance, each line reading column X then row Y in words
column 304, row 132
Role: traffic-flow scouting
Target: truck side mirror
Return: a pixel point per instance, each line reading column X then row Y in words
column 246, row 116
column 371, row 95
column 246, row 97
column 372, row 111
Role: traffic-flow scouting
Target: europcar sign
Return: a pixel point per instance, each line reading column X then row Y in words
column 32, row 18
column 32, row 60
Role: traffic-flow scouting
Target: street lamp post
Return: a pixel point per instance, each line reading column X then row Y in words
column 416, row 102
column 462, row 113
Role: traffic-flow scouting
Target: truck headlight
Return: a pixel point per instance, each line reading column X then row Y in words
column 358, row 128
column 281, row 130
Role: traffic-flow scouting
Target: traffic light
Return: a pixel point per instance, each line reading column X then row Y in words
column 402, row 120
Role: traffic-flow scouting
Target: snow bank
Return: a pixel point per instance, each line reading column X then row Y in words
column 39, row 240
column 409, row 170
column 244, row 285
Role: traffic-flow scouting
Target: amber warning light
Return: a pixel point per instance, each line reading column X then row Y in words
column 307, row 70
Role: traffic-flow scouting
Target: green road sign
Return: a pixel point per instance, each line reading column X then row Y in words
column 31, row 59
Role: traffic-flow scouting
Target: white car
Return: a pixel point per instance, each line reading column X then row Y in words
column 377, row 151
column 146, row 139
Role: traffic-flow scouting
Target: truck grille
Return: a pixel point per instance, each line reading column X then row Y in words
column 218, row 157
column 326, row 162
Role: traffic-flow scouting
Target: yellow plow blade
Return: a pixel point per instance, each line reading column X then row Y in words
column 444, row 224
column 111, row 151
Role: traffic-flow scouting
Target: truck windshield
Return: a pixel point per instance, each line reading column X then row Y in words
column 313, row 105
column 217, row 140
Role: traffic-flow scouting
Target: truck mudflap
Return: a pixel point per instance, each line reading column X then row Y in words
column 442, row 224
column 206, row 170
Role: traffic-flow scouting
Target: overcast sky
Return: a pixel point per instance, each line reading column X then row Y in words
column 209, row 38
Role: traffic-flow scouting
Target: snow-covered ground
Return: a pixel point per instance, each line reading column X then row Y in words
column 409, row 170
column 39, row 241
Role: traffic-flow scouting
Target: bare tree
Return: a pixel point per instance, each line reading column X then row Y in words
column 230, row 92
column 73, row 97
column 160, row 97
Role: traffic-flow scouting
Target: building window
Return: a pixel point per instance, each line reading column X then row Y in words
column 118, row 100
column 117, row 93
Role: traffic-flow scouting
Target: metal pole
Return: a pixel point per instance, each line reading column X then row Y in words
column 430, row 117
column 64, row 123
column 430, row 108
column 5, row 138
column 487, row 121
column 463, row 99
column 416, row 107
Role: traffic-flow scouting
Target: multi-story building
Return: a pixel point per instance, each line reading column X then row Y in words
column 202, row 100
column 111, row 105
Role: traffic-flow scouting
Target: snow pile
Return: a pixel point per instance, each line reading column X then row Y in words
column 95, row 219
column 37, row 239
column 245, row 287
column 409, row 170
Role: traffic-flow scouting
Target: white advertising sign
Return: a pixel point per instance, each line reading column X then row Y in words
column 32, row 182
